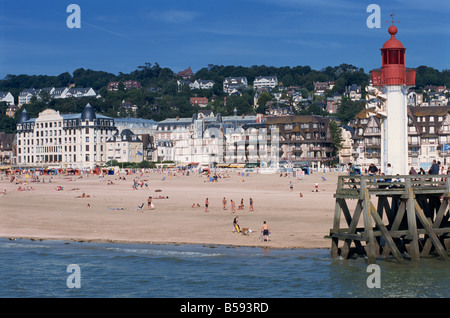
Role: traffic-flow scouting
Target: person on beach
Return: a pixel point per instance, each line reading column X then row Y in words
column 233, row 207
column 251, row 204
column 316, row 187
column 149, row 203
column 291, row 186
column 224, row 202
column 241, row 207
column 236, row 225
column 206, row 205
column 265, row 230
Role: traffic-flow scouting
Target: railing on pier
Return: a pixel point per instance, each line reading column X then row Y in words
column 411, row 215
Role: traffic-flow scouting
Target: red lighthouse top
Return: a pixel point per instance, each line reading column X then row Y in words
column 393, row 70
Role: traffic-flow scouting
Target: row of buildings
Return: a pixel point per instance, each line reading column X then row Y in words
column 87, row 139
column 428, row 137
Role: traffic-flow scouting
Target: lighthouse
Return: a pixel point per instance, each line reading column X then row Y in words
column 393, row 81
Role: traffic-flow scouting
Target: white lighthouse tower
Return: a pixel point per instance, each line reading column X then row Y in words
column 393, row 80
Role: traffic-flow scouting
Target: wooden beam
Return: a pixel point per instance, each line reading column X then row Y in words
column 412, row 226
column 370, row 245
column 334, row 251
column 437, row 223
column 352, row 228
column 433, row 237
column 395, row 224
column 390, row 242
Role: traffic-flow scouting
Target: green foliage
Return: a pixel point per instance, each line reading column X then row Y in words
column 348, row 109
column 160, row 97
column 336, row 137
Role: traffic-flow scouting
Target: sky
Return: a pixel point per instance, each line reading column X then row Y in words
column 118, row 36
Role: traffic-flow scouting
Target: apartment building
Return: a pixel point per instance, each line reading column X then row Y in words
column 63, row 140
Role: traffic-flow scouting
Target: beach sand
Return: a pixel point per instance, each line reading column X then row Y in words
column 294, row 221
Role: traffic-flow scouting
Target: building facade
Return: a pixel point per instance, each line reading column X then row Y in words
column 57, row 140
column 304, row 138
column 125, row 147
column 428, row 137
column 265, row 82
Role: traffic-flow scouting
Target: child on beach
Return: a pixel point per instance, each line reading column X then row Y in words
column 206, row 205
column 251, row 204
column 233, row 207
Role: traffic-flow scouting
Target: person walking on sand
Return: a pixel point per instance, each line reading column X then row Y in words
column 149, row 203
column 265, row 230
column 233, row 207
column 224, row 202
column 206, row 205
column 251, row 204
column 291, row 186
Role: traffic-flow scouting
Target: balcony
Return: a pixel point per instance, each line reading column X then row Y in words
column 373, row 154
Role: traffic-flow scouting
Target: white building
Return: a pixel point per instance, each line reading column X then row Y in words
column 26, row 95
column 57, row 140
column 265, row 81
column 202, row 84
column 164, row 150
column 80, row 92
column 125, row 147
column 234, row 83
column 59, row 92
column 7, row 97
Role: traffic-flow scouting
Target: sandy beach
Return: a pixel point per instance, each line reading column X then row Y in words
column 113, row 216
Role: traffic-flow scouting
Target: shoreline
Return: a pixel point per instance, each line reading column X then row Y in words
column 296, row 222
column 111, row 241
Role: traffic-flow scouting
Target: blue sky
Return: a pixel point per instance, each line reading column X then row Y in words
column 118, row 36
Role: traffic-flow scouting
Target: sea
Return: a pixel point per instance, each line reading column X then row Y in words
column 63, row 269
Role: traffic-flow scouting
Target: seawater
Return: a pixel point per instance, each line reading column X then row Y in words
column 39, row 269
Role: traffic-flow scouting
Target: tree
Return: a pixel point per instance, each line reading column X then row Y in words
column 336, row 137
column 262, row 101
column 348, row 109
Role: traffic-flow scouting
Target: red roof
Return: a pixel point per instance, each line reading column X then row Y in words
column 393, row 43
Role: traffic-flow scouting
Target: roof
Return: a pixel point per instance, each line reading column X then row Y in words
column 132, row 120
column 392, row 43
column 294, row 119
column 125, row 135
column 430, row 111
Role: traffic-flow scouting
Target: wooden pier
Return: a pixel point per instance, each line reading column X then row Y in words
column 403, row 217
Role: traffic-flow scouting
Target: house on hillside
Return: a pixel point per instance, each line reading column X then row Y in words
column 81, row 92
column 186, row 74
column 265, row 82
column 26, row 95
column 202, row 84
column 231, row 84
column 7, row 97
column 199, row 101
